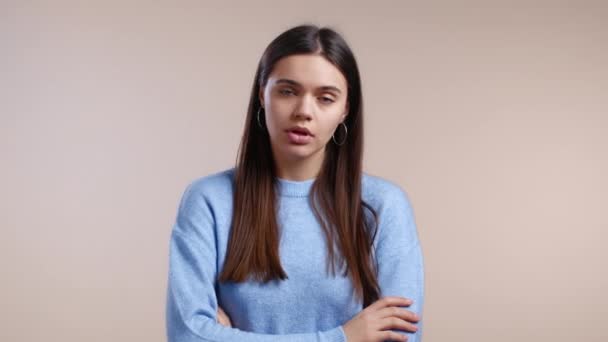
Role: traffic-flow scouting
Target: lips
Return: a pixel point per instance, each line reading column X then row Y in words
column 300, row 130
column 298, row 138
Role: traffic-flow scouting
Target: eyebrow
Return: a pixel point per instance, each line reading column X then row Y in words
column 294, row 83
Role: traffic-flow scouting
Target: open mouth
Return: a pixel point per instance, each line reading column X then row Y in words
column 300, row 133
column 299, row 137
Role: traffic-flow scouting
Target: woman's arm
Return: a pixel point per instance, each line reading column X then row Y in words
column 192, row 305
column 399, row 255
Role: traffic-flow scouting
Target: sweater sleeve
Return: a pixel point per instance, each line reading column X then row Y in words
column 399, row 255
column 191, row 303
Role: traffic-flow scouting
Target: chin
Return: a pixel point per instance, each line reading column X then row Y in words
column 298, row 156
column 301, row 152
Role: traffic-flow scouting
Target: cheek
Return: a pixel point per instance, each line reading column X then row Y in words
column 329, row 127
column 275, row 120
column 279, row 111
column 278, row 115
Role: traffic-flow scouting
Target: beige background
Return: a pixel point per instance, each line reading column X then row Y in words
column 492, row 115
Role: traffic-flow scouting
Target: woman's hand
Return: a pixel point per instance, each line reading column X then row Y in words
column 223, row 318
column 374, row 323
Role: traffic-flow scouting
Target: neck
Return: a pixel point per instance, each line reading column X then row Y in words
column 299, row 169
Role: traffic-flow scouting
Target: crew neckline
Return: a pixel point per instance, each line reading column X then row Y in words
column 292, row 188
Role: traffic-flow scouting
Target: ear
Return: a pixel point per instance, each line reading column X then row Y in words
column 261, row 96
column 346, row 110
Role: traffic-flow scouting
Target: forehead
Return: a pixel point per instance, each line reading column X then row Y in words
column 309, row 70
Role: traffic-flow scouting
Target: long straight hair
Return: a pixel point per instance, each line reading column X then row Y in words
column 253, row 247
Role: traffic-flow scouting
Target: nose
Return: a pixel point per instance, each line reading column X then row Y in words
column 304, row 109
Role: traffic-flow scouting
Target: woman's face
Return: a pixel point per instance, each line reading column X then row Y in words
column 304, row 91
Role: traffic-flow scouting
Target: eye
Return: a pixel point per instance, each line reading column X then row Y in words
column 327, row 100
column 285, row 91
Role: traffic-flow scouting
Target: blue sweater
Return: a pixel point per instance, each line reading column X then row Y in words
column 309, row 306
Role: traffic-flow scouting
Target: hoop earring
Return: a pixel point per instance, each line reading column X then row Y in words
column 259, row 123
column 345, row 135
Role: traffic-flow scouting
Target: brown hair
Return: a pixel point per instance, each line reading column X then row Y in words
column 253, row 247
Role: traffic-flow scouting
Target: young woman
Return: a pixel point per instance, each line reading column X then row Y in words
column 296, row 243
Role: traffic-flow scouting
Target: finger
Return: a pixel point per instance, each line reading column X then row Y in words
column 222, row 317
column 392, row 336
column 223, row 320
column 390, row 301
column 397, row 324
column 398, row 312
